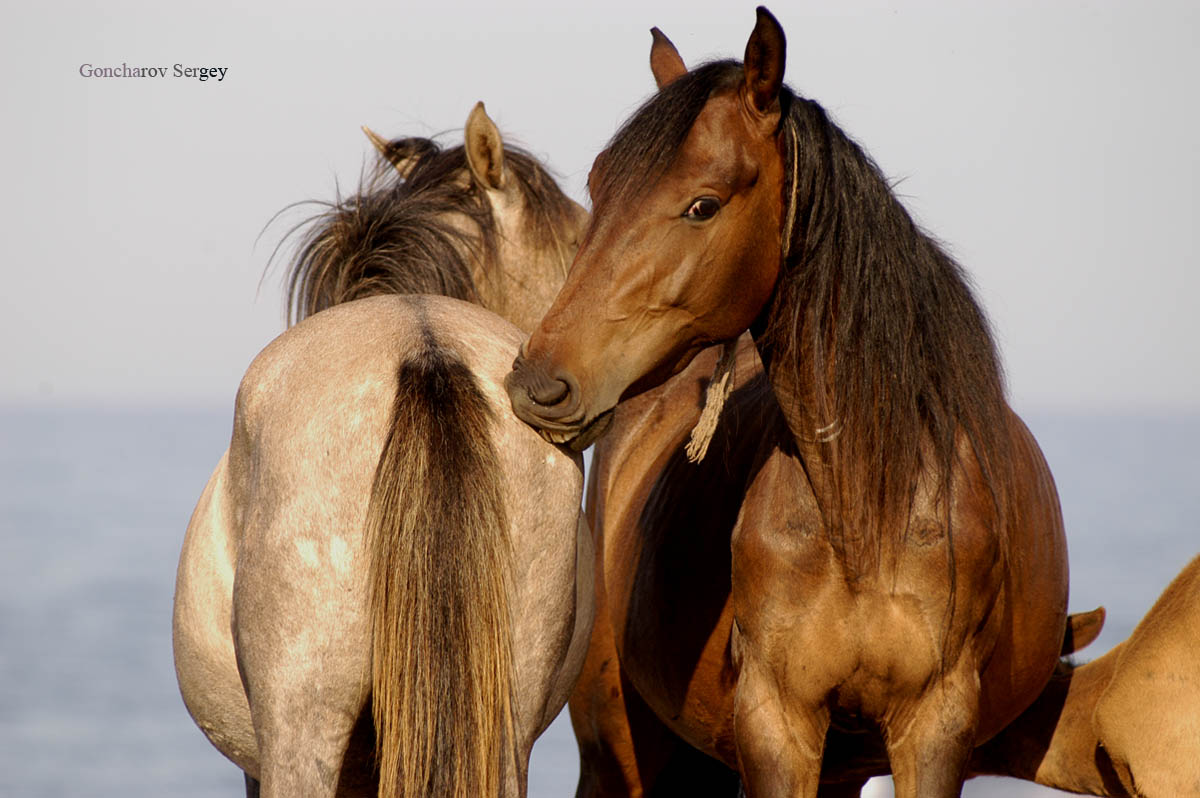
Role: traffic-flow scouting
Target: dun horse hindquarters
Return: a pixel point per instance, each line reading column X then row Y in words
column 281, row 551
column 349, row 622
column 899, row 571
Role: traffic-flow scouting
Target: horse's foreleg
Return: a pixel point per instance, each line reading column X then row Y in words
column 780, row 746
column 930, row 741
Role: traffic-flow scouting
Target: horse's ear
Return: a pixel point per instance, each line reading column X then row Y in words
column 485, row 149
column 404, row 162
column 1082, row 629
column 765, row 55
column 665, row 61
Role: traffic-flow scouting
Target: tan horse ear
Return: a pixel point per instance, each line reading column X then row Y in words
column 1082, row 629
column 665, row 61
column 765, row 56
column 485, row 149
column 392, row 155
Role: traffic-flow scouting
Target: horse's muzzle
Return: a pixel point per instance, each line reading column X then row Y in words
column 550, row 403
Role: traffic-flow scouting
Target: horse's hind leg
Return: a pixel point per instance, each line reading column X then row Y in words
column 304, row 654
column 303, row 734
column 930, row 741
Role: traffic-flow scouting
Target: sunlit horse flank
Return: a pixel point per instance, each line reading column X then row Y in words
column 1127, row 723
column 899, row 572
column 384, row 547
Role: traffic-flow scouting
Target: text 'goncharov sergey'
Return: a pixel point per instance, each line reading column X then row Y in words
column 178, row 71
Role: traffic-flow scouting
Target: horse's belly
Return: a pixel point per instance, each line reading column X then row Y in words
column 688, row 682
column 666, row 571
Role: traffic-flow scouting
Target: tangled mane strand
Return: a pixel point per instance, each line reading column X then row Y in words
column 397, row 233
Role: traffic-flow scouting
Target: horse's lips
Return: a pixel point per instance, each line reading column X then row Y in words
column 579, row 440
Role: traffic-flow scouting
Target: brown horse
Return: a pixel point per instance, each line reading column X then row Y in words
column 1127, row 723
column 897, row 582
column 386, row 585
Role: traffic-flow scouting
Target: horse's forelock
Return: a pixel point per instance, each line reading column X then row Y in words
column 646, row 145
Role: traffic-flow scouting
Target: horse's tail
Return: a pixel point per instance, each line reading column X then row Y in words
column 442, row 655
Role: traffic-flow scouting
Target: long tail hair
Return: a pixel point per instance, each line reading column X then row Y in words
column 442, row 667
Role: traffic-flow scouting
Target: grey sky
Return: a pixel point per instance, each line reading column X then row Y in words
column 1051, row 146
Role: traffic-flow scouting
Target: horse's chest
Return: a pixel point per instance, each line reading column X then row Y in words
column 859, row 638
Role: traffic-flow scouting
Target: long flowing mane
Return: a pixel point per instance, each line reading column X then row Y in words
column 872, row 321
column 881, row 323
column 397, row 234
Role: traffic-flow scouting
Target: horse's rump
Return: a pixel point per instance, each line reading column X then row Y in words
column 442, row 666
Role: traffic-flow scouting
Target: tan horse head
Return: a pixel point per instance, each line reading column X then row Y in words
column 483, row 222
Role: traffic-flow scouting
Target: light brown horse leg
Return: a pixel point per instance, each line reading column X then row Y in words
column 780, row 749
column 930, row 744
column 624, row 749
column 302, row 749
column 306, row 671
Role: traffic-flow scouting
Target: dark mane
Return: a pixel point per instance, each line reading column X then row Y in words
column 396, row 234
column 880, row 325
column 872, row 321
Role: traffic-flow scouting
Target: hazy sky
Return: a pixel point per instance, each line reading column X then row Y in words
column 1051, row 145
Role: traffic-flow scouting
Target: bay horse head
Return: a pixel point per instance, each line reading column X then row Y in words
column 483, row 221
column 684, row 249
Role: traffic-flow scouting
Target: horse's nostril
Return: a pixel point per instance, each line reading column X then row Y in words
column 547, row 391
column 540, row 394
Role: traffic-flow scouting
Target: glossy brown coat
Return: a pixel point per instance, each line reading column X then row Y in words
column 895, row 552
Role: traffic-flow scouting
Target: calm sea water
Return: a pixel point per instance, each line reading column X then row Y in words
column 93, row 505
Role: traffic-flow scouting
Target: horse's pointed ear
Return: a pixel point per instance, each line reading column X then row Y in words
column 765, row 56
column 485, row 149
column 1082, row 629
column 390, row 153
column 665, row 62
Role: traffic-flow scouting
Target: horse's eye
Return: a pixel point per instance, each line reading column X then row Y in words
column 703, row 208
